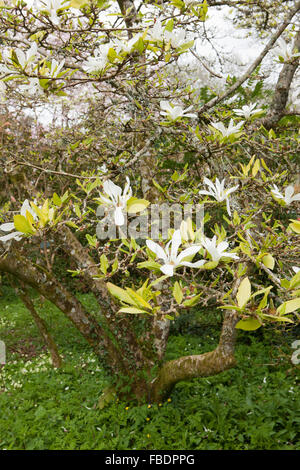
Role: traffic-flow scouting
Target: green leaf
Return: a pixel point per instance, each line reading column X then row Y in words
column 104, row 264
column 177, row 293
column 91, row 240
column 139, row 301
column 268, row 261
column 149, row 265
column 193, row 301
column 120, row 294
column 289, row 306
column 132, row 310
column 244, row 292
column 56, row 200
column 22, row 224
column 250, row 324
column 135, row 205
column 295, row 226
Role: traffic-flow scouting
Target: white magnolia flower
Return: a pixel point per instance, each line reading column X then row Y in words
column 103, row 168
column 217, row 251
column 8, row 227
column 285, row 50
column 170, row 256
column 117, row 199
column 33, row 87
column 295, row 269
column 288, row 197
column 99, row 61
column 156, row 33
column 30, row 3
column 56, row 67
column 247, row 111
column 175, row 112
column 52, row 7
column 176, row 37
column 227, row 131
column 25, row 58
column 127, row 46
column 218, row 191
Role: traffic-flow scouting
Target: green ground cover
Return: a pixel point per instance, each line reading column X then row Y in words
column 253, row 406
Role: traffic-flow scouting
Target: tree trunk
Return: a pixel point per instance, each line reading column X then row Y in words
column 41, row 325
column 202, row 365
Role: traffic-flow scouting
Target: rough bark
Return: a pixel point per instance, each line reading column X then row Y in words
column 202, row 365
column 280, row 98
column 38, row 278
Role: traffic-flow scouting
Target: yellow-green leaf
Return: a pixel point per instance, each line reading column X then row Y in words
column 139, row 301
column 268, row 261
column 244, row 292
column 132, row 310
column 250, row 324
column 135, row 205
column 289, row 306
column 22, row 224
column 256, row 167
column 120, row 294
column 177, row 293
column 295, row 226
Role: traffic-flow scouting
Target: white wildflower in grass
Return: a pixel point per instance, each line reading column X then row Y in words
column 248, row 111
column 116, row 199
column 170, row 257
column 227, row 131
column 218, row 191
column 8, row 227
column 288, row 197
column 285, row 51
column 217, row 251
column 295, row 359
column 173, row 113
column 295, row 269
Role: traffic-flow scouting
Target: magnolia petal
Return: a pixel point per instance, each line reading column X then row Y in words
column 26, row 207
column 119, row 216
column 192, row 250
column 230, row 255
column 222, row 246
column 112, row 190
column 176, row 242
column 11, row 236
column 7, row 227
column 157, row 249
column 228, row 207
column 296, row 197
column 197, row 264
column 289, row 191
column 168, row 269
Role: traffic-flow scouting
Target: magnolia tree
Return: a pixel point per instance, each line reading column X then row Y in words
column 164, row 195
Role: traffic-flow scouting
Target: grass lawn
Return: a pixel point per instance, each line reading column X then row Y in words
column 253, row 406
